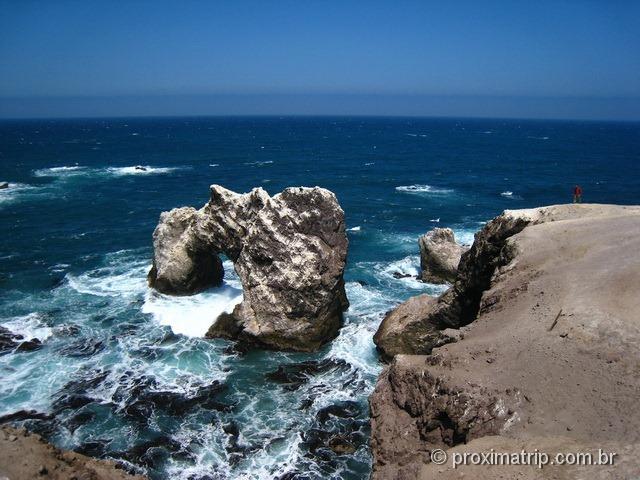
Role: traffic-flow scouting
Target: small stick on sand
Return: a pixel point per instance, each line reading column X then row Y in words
column 555, row 321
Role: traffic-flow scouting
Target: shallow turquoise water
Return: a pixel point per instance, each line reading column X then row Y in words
column 120, row 371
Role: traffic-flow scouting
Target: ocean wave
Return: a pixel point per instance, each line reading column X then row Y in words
column 75, row 171
column 509, row 194
column 29, row 326
column 140, row 170
column 193, row 315
column 125, row 278
column 62, row 171
column 428, row 189
column 464, row 236
column 259, row 163
column 17, row 191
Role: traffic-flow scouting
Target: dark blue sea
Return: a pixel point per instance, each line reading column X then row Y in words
column 122, row 371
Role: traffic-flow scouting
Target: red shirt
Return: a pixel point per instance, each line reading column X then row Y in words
column 577, row 191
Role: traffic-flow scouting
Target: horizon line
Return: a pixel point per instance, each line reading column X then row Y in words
column 613, row 108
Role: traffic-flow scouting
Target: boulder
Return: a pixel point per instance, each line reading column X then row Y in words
column 439, row 256
column 549, row 303
column 182, row 263
column 407, row 328
column 289, row 251
column 4, row 185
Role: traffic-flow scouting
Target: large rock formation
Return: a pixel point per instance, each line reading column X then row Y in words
column 549, row 357
column 289, row 251
column 439, row 256
column 183, row 264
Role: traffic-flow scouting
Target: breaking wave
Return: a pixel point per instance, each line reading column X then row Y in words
column 423, row 189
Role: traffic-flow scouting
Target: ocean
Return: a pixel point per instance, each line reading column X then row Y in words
column 123, row 372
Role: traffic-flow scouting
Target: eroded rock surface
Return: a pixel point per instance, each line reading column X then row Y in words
column 547, row 300
column 289, row 251
column 439, row 256
column 408, row 328
column 183, row 264
column 25, row 456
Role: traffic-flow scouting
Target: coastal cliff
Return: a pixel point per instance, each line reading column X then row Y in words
column 289, row 251
column 547, row 313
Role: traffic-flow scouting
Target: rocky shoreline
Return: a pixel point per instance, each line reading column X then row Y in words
column 26, row 456
column 535, row 345
column 546, row 307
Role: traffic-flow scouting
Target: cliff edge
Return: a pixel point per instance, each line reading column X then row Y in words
column 547, row 307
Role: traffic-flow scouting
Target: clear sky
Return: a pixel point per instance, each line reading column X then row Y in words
column 513, row 58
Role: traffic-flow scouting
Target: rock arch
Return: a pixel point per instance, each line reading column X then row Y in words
column 289, row 251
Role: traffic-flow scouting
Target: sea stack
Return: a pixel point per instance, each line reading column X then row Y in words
column 439, row 256
column 289, row 251
column 547, row 308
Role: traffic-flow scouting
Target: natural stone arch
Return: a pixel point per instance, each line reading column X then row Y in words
column 289, row 251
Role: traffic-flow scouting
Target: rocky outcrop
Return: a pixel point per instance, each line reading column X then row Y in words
column 289, row 251
column 547, row 304
column 4, row 185
column 26, row 456
column 439, row 256
column 407, row 328
column 183, row 264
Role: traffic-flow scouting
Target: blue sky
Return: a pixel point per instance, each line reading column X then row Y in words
column 65, row 58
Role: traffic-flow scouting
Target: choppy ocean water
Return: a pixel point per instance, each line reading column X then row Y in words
column 122, row 372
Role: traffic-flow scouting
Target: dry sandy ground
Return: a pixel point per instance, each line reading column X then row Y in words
column 552, row 361
column 25, row 456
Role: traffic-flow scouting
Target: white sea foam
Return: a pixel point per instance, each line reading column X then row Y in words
column 116, row 280
column 354, row 229
column 29, row 326
column 60, row 171
column 16, row 191
column 464, row 236
column 214, row 164
column 77, row 170
column 435, row 220
column 428, row 189
column 368, row 164
column 259, row 163
column 139, row 170
column 511, row 195
column 192, row 315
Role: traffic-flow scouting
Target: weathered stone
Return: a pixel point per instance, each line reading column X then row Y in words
column 408, row 329
column 548, row 305
column 439, row 256
column 182, row 263
column 289, row 251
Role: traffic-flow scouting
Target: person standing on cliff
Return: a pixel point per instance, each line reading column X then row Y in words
column 577, row 194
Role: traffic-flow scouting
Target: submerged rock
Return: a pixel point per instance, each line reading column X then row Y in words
column 439, row 256
column 289, row 251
